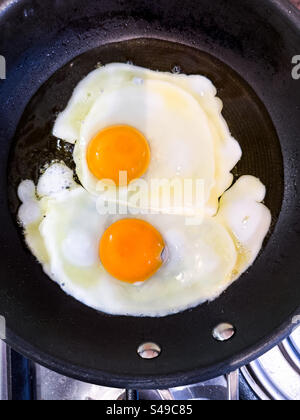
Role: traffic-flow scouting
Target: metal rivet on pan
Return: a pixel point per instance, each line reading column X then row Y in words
column 149, row 350
column 224, row 332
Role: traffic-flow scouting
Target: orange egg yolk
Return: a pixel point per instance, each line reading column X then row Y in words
column 131, row 250
column 116, row 149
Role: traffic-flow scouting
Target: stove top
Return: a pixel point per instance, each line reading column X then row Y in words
column 275, row 376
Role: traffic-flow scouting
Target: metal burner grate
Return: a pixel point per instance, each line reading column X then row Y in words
column 276, row 375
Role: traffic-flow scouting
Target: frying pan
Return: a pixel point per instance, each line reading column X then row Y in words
column 246, row 48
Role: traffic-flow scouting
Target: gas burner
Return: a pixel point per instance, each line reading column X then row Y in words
column 276, row 375
column 52, row 386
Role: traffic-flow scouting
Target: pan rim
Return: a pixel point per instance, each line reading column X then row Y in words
column 176, row 379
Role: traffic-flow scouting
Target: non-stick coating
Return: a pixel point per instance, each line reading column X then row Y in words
column 257, row 39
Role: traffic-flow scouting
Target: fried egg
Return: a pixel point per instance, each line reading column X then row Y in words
column 153, row 265
column 152, row 125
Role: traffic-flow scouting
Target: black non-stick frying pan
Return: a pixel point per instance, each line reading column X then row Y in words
column 246, row 48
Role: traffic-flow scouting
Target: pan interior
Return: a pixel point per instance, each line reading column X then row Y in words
column 248, row 119
column 90, row 341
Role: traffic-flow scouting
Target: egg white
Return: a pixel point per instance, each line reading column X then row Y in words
column 130, row 90
column 65, row 231
column 245, row 216
column 181, row 117
column 171, row 120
